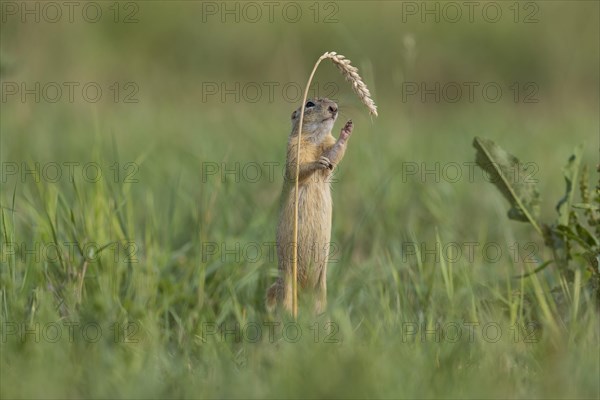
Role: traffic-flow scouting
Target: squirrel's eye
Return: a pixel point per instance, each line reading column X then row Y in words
column 310, row 104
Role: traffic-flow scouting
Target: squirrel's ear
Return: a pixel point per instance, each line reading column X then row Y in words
column 295, row 114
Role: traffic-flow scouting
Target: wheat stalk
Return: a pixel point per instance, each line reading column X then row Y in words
column 350, row 72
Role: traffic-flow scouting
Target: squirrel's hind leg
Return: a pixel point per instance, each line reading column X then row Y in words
column 321, row 293
column 279, row 293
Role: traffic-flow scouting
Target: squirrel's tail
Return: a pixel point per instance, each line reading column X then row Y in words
column 273, row 296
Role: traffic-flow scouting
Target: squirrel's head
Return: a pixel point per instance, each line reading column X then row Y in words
column 319, row 116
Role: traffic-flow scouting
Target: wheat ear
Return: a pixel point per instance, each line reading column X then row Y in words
column 350, row 72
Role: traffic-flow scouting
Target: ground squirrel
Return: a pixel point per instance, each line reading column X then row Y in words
column 320, row 152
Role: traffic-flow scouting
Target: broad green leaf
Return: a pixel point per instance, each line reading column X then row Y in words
column 570, row 171
column 512, row 179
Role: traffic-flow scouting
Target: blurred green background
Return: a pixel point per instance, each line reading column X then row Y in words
column 174, row 58
column 179, row 95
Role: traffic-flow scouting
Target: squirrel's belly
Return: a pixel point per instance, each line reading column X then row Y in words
column 314, row 231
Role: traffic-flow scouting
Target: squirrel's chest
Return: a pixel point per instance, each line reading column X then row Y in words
column 314, row 198
column 317, row 189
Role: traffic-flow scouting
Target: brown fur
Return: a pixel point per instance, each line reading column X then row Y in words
column 319, row 153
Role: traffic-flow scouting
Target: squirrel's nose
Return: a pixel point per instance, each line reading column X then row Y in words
column 333, row 109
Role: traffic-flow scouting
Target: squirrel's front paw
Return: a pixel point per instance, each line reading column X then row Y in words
column 324, row 163
column 346, row 130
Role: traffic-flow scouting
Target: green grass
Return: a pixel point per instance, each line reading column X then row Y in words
column 180, row 267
